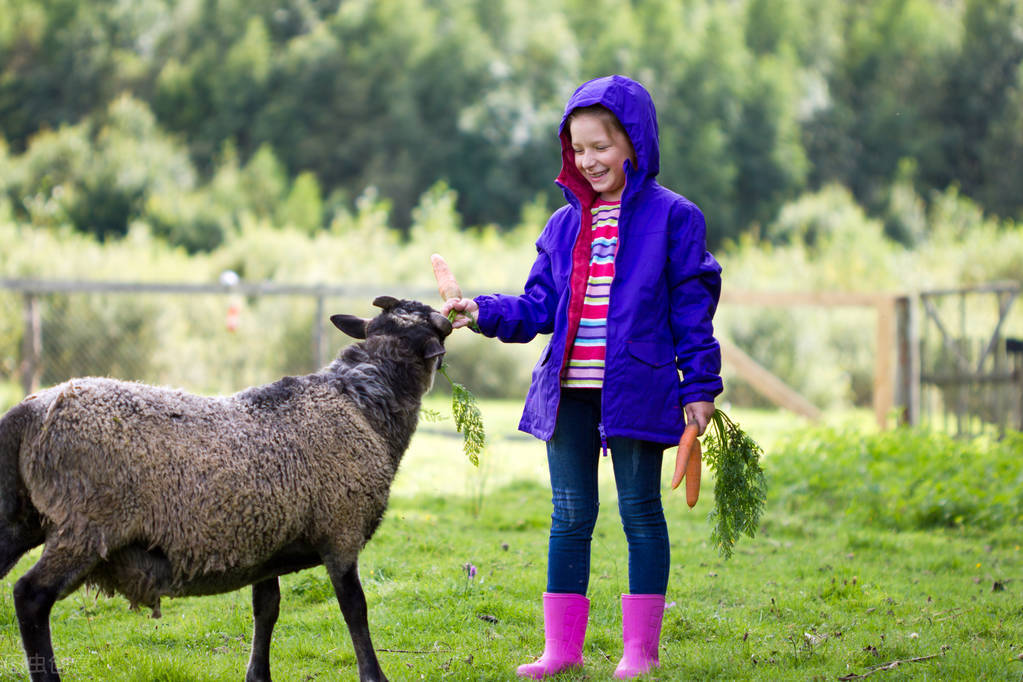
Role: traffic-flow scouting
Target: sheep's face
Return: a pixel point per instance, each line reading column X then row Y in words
column 421, row 328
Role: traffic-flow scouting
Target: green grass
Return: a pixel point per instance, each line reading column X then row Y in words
column 814, row 596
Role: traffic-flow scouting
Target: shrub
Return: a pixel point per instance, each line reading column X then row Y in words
column 901, row 479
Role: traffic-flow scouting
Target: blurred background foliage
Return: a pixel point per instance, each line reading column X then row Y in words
column 865, row 146
column 189, row 114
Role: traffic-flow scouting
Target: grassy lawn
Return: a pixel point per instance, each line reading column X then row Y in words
column 815, row 596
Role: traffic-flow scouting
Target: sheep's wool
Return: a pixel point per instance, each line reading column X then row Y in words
column 178, row 494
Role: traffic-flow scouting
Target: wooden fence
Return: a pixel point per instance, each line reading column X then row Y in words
column 897, row 374
column 971, row 365
column 896, row 359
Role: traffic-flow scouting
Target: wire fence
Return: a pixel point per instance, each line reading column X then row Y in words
column 205, row 338
column 220, row 338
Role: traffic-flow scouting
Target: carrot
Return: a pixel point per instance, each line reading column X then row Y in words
column 446, row 284
column 693, row 475
column 685, row 447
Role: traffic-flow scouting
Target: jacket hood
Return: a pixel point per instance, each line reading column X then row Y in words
column 632, row 105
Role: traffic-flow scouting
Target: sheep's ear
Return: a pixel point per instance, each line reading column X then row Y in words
column 442, row 323
column 433, row 349
column 385, row 302
column 354, row 326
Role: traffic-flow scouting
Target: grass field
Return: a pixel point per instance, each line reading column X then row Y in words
column 816, row 595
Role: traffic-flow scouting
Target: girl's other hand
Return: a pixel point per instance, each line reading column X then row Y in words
column 465, row 307
column 699, row 413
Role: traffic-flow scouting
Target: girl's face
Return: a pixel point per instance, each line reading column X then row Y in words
column 600, row 154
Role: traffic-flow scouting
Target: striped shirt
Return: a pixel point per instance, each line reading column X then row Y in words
column 586, row 359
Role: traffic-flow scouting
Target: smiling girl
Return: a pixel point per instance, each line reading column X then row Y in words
column 601, row 147
column 625, row 286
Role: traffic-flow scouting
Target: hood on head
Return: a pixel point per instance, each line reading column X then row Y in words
column 632, row 105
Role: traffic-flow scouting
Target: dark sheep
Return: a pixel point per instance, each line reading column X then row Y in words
column 152, row 492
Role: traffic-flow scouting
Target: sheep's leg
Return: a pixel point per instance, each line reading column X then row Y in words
column 20, row 527
column 352, row 600
column 266, row 606
column 56, row 573
column 15, row 540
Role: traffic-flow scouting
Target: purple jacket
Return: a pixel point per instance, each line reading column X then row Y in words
column 663, row 296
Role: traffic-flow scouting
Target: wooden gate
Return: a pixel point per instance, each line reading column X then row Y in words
column 971, row 359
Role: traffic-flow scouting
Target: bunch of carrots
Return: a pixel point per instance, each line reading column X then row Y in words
column 740, row 488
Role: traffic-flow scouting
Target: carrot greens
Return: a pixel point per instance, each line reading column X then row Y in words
column 740, row 488
column 468, row 419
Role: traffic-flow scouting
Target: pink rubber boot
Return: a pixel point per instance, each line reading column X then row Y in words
column 564, row 626
column 641, row 633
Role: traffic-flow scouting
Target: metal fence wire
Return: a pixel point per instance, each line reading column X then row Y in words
column 966, row 361
column 205, row 338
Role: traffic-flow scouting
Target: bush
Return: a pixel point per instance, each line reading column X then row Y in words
column 901, row 479
column 98, row 174
column 824, row 243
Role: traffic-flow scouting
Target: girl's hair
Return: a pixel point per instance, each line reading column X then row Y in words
column 601, row 112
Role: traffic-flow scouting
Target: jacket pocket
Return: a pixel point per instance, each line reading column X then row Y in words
column 647, row 384
column 651, row 353
column 538, row 368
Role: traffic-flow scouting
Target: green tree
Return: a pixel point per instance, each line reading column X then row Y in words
column 698, row 102
column 303, row 207
column 766, row 144
column 1002, row 156
column 979, row 112
column 884, row 91
column 64, row 60
column 97, row 175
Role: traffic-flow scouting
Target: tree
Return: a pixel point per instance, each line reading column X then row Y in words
column 98, row 175
column 979, row 111
column 57, row 65
column 884, row 91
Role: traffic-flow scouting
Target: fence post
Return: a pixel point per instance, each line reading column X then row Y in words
column 884, row 369
column 907, row 368
column 319, row 344
column 31, row 346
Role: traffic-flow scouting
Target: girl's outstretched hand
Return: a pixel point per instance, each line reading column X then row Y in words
column 465, row 310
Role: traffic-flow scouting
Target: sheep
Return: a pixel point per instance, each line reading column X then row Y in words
column 152, row 492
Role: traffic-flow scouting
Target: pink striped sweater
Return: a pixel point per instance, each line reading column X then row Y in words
column 585, row 367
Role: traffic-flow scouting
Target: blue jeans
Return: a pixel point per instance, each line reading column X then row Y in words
column 573, row 453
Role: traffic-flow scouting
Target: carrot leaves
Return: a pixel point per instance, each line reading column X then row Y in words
column 468, row 419
column 740, row 488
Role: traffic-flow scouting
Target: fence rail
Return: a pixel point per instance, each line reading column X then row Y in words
column 69, row 328
column 38, row 286
column 896, row 359
column 219, row 337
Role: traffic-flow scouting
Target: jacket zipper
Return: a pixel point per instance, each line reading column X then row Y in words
column 607, row 332
column 561, row 368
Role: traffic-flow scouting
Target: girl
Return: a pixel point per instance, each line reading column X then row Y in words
column 625, row 286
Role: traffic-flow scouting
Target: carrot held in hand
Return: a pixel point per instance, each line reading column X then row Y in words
column 685, row 447
column 446, row 284
column 693, row 474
